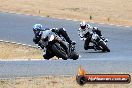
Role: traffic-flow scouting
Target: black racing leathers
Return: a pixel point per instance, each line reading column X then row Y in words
column 59, row 31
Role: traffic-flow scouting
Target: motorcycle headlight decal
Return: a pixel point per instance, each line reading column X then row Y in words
column 45, row 39
column 94, row 36
column 51, row 37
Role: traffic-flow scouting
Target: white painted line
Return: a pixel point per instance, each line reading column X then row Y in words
column 29, row 45
column 7, row 41
column 24, row 44
column 127, row 26
column 1, row 40
column 21, row 59
column 119, row 25
column 18, row 44
column 14, row 42
column 85, row 59
column 29, row 59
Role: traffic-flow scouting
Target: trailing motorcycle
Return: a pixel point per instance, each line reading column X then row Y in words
column 55, row 45
column 99, row 43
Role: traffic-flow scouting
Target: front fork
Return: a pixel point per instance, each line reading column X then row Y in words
column 97, row 45
column 71, row 48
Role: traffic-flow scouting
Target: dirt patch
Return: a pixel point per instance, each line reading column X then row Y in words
column 53, row 82
column 13, row 51
column 108, row 11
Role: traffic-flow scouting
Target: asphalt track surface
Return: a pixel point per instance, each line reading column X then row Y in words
column 18, row 28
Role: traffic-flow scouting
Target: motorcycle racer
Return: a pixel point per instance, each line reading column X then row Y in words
column 84, row 33
column 38, row 31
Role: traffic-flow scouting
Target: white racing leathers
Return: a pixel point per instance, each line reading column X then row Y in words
column 82, row 32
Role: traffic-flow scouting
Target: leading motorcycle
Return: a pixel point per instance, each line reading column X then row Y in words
column 57, row 46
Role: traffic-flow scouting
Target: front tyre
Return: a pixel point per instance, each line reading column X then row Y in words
column 104, row 47
column 74, row 55
column 59, row 51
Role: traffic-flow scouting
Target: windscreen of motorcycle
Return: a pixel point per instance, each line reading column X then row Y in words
column 94, row 36
column 46, row 33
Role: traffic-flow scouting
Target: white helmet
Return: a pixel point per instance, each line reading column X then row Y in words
column 83, row 25
column 95, row 28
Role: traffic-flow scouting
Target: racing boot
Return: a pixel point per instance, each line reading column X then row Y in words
column 73, row 43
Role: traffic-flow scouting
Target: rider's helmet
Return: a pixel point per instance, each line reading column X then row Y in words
column 83, row 25
column 37, row 28
column 54, row 29
column 95, row 28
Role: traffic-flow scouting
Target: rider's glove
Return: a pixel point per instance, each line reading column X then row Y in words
column 44, row 51
column 83, row 39
column 104, row 39
column 39, row 47
column 54, row 30
column 73, row 43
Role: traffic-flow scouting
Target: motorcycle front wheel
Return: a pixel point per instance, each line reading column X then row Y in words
column 74, row 55
column 105, row 48
column 59, row 51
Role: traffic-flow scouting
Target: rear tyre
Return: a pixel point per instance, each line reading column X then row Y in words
column 59, row 51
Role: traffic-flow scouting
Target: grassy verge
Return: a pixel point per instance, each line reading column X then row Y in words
column 13, row 51
column 106, row 11
column 53, row 82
